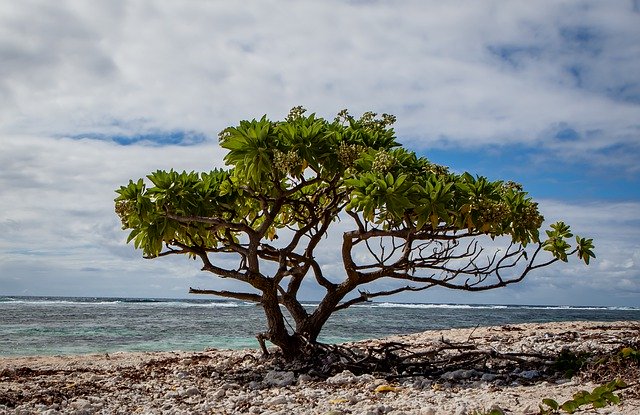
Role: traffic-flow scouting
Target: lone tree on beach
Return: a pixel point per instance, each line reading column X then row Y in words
column 403, row 220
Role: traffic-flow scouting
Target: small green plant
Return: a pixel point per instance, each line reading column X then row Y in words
column 630, row 353
column 600, row 397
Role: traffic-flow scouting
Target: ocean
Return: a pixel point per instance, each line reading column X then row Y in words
column 60, row 326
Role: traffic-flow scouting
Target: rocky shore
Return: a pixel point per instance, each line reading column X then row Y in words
column 241, row 382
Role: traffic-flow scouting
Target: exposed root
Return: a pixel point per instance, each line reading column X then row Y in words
column 398, row 360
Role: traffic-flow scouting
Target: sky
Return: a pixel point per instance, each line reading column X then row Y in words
column 92, row 94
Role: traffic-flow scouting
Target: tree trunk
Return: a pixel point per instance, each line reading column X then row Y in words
column 307, row 330
column 315, row 322
column 277, row 333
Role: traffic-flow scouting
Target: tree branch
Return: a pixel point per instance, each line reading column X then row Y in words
column 254, row 298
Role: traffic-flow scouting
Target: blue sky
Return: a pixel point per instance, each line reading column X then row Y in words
column 544, row 93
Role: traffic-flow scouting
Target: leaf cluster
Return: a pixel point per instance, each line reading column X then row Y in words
column 630, row 353
column 143, row 209
column 600, row 397
column 558, row 246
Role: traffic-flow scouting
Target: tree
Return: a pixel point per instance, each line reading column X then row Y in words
column 410, row 222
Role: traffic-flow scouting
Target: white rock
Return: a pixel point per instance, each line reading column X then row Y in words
column 304, row 378
column 219, row 394
column 343, row 378
column 278, row 400
column 172, row 394
column 366, row 378
column 192, row 391
column 461, row 410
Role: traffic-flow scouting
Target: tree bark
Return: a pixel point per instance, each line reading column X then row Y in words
column 277, row 333
column 314, row 323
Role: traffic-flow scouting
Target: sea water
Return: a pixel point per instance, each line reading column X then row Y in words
column 56, row 325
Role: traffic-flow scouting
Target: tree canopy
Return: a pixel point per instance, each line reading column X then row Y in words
column 289, row 182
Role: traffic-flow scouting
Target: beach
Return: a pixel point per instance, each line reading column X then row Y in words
column 240, row 381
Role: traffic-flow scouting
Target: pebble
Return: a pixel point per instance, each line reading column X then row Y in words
column 182, row 375
column 278, row 400
column 81, row 404
column 343, row 378
column 460, row 374
column 192, row 391
column 304, row 378
column 255, row 385
column 529, row 374
column 172, row 395
column 279, row 379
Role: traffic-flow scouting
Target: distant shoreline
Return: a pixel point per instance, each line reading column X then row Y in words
column 309, row 303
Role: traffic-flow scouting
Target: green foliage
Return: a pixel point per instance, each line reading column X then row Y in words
column 630, row 353
column 600, row 397
column 283, row 174
column 557, row 243
column 143, row 209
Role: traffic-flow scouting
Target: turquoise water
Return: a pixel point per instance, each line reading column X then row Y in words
column 56, row 325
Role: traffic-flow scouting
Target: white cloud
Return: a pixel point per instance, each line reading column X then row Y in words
column 614, row 226
column 469, row 75
column 57, row 206
column 472, row 72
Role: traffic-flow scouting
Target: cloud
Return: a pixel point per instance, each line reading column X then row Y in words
column 57, row 204
column 476, row 74
column 614, row 227
column 58, row 231
column 548, row 90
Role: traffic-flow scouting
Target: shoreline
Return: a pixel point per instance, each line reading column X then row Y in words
column 238, row 381
column 71, row 326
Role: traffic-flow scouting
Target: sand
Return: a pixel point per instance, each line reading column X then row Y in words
column 240, row 381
